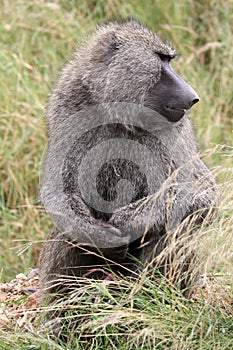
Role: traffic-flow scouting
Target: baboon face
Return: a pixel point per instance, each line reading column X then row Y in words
column 138, row 71
column 171, row 96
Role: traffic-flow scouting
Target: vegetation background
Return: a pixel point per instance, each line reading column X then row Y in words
column 37, row 38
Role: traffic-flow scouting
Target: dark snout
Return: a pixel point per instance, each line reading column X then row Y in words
column 172, row 96
column 181, row 97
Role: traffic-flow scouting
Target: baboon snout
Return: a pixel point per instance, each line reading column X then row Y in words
column 190, row 97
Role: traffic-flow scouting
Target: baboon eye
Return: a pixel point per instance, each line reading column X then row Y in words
column 166, row 58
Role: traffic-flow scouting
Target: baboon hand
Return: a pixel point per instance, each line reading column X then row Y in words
column 115, row 245
column 107, row 239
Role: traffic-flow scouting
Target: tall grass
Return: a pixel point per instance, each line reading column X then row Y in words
column 37, row 38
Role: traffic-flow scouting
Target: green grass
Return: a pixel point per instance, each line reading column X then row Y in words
column 37, row 38
column 148, row 314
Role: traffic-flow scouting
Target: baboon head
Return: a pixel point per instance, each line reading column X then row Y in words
column 128, row 63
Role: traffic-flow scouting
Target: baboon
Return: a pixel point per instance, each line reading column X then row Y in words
column 123, row 79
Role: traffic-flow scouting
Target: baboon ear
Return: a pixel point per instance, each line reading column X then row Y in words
column 113, row 45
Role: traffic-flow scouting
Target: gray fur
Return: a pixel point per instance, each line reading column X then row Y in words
column 120, row 63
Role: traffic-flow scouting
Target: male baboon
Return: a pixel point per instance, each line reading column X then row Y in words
column 122, row 72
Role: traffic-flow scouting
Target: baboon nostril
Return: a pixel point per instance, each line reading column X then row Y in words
column 194, row 101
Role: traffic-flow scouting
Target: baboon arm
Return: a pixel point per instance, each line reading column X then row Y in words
column 166, row 209
column 75, row 223
column 138, row 217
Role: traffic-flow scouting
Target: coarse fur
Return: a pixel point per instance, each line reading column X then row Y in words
column 121, row 63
